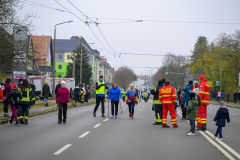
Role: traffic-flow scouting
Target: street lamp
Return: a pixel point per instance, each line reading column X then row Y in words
column 54, row 65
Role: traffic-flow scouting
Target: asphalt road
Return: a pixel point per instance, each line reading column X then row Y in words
column 113, row 139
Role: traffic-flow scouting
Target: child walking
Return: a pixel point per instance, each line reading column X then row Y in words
column 145, row 95
column 221, row 117
column 192, row 110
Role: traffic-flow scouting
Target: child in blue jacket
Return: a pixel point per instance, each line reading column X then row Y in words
column 221, row 117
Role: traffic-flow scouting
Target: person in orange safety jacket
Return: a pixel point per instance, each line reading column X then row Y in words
column 167, row 97
column 202, row 110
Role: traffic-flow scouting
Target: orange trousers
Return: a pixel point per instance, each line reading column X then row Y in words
column 171, row 109
column 202, row 115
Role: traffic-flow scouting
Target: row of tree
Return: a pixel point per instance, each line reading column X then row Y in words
column 218, row 60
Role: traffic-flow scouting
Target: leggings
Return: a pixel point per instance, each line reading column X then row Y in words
column 219, row 131
column 131, row 107
column 116, row 107
column 14, row 113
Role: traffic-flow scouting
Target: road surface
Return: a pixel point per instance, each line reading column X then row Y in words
column 87, row 138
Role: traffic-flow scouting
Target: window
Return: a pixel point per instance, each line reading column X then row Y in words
column 59, row 76
column 60, row 57
column 68, row 57
column 59, row 66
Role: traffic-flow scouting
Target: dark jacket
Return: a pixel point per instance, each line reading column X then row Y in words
column 155, row 93
column 235, row 95
column 221, row 116
column 76, row 91
column 57, row 87
column 228, row 95
column 8, row 88
column 223, row 94
column 179, row 93
column 45, row 91
column 213, row 95
column 187, row 91
column 238, row 95
column 9, row 99
column 192, row 109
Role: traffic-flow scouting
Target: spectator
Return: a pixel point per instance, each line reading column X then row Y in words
column 76, row 93
column 219, row 95
column 179, row 92
column 223, row 96
column 45, row 93
column 7, row 89
column 235, row 97
column 238, row 96
column 62, row 99
column 87, row 93
column 214, row 95
column 71, row 93
column 228, row 97
column 57, row 87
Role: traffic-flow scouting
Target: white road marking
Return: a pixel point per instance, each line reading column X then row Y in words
column 84, row 134
column 97, row 125
column 106, row 119
column 216, row 145
column 225, row 145
column 62, row 149
column 234, row 114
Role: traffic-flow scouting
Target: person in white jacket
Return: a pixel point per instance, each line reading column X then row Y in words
column 196, row 87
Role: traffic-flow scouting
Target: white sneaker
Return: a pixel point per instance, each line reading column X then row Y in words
column 189, row 133
column 220, row 139
column 214, row 137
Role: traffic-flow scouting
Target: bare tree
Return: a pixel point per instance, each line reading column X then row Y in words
column 124, row 76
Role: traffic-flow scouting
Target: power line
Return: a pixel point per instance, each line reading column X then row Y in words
column 136, row 54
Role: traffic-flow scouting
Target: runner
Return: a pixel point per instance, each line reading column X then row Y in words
column 131, row 100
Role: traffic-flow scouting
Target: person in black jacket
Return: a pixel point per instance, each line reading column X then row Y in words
column 45, row 92
column 238, row 96
column 57, row 87
column 76, row 93
column 228, row 96
column 221, row 117
column 235, row 97
column 13, row 98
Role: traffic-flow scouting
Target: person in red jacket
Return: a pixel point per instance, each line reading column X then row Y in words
column 167, row 97
column 202, row 110
column 62, row 99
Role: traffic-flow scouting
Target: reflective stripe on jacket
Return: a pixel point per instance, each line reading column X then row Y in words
column 204, row 90
column 101, row 90
column 167, row 94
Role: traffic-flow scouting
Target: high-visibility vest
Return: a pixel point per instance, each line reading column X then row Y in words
column 167, row 95
column 156, row 95
column 203, row 92
column 26, row 95
column 124, row 94
column 101, row 90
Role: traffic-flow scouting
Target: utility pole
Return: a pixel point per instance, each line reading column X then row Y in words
column 73, row 72
column 104, row 71
column 54, row 65
column 81, row 64
column 145, row 81
column 113, row 75
column 220, row 74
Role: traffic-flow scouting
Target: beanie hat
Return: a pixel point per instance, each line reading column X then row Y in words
column 192, row 95
column 163, row 80
column 20, row 80
column 190, row 82
column 131, row 85
column 63, row 82
column 160, row 82
column 14, row 85
column 45, row 82
column 222, row 103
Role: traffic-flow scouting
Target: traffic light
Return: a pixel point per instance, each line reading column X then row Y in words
column 166, row 71
column 135, row 77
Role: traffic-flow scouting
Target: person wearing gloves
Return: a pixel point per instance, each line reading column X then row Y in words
column 62, row 100
column 115, row 96
column 26, row 101
column 157, row 105
column 13, row 97
column 221, row 117
column 100, row 95
column 192, row 110
column 131, row 100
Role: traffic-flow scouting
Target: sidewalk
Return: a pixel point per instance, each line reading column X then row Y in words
column 227, row 104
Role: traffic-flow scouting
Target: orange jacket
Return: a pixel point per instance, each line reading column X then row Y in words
column 167, row 94
column 204, row 90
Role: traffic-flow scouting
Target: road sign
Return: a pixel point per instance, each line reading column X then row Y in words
column 166, row 71
column 210, row 83
column 217, row 83
column 19, row 73
column 45, row 68
column 18, row 77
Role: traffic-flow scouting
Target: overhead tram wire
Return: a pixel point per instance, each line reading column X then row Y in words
column 97, row 26
column 87, row 25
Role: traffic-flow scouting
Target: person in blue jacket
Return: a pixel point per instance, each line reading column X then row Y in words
column 115, row 96
column 185, row 100
column 221, row 117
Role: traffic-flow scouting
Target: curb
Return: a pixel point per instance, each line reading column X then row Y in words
column 33, row 114
column 226, row 105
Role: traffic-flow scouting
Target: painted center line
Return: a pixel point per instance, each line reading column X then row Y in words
column 106, row 119
column 97, row 125
column 62, row 149
column 84, row 134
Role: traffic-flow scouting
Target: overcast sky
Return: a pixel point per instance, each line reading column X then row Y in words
column 145, row 37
